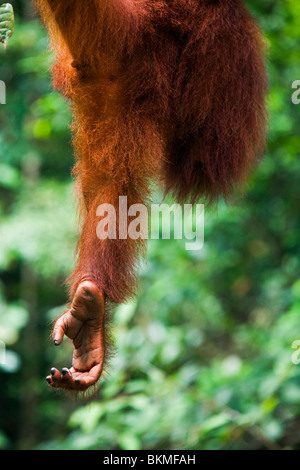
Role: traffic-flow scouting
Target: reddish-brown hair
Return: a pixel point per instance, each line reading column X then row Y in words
column 165, row 90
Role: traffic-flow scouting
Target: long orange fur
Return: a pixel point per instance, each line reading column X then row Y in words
column 161, row 90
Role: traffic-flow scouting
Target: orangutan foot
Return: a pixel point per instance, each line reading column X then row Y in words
column 84, row 325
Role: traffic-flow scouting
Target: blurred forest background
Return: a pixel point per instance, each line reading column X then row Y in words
column 204, row 353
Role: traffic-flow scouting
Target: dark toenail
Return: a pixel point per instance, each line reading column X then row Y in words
column 56, row 343
column 77, row 381
column 48, row 379
column 53, row 371
column 64, row 371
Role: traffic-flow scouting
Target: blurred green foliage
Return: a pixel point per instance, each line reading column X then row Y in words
column 204, row 354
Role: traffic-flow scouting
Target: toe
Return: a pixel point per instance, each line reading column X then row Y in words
column 55, row 374
column 49, row 379
column 60, row 329
column 66, row 378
